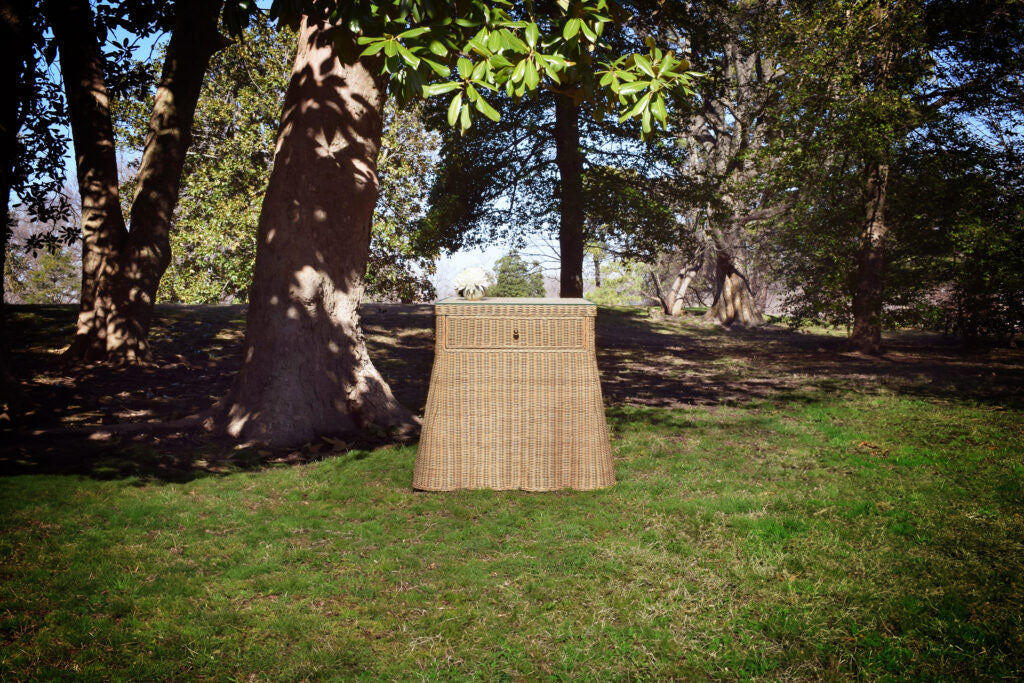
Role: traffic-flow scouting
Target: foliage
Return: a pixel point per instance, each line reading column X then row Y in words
column 904, row 91
column 622, row 284
column 633, row 212
column 403, row 257
column 49, row 277
column 514, row 277
column 958, row 213
column 425, row 49
column 228, row 166
column 49, row 274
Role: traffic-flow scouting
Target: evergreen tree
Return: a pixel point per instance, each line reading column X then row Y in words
column 514, row 277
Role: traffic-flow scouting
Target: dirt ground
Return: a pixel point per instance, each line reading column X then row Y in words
column 643, row 361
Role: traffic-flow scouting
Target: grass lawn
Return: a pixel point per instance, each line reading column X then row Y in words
column 783, row 510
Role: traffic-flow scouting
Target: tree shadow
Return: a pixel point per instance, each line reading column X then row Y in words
column 643, row 362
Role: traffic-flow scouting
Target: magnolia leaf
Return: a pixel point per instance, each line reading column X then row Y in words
column 530, row 77
column 644, row 65
column 478, row 70
column 519, row 71
column 438, row 68
column 532, row 33
column 486, row 109
column 658, row 108
column 410, row 59
column 630, row 88
column 572, row 27
column 414, row 32
column 439, row 88
column 453, row 109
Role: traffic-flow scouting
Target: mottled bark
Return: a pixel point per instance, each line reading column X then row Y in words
column 733, row 303
column 597, row 270
column 147, row 251
column 570, row 171
column 869, row 278
column 15, row 51
column 103, row 227
column 306, row 371
column 120, row 269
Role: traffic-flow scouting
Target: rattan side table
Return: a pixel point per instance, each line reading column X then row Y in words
column 514, row 399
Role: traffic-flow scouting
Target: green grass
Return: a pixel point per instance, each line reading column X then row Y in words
column 826, row 535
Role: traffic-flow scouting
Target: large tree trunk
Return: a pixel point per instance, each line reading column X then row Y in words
column 306, row 371
column 147, row 251
column 733, row 303
column 103, row 228
column 570, row 171
column 15, row 51
column 870, row 275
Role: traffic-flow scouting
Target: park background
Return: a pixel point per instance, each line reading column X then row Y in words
column 808, row 256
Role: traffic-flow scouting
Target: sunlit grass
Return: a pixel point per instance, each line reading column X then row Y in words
column 823, row 535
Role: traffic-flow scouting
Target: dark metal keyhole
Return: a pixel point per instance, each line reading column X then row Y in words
column 515, row 334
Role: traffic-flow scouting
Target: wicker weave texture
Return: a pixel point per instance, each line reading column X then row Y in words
column 514, row 401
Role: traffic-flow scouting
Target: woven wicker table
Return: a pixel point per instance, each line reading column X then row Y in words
column 514, row 399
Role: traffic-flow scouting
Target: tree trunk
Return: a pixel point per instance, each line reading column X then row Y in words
column 673, row 304
column 570, row 172
column 870, row 276
column 306, row 371
column 597, row 270
column 103, row 228
column 15, row 51
column 733, row 303
column 147, row 251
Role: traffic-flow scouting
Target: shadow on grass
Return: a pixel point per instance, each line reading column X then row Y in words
column 644, row 361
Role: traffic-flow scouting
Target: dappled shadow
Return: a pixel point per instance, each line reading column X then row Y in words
column 670, row 363
column 661, row 363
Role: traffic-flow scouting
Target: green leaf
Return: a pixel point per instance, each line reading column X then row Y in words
column 464, row 118
column 453, row 109
column 439, row 88
column 465, row 67
column 635, row 86
column 414, row 32
column 486, row 109
column 637, row 108
column 572, row 27
column 532, row 33
column 372, row 49
column 658, row 108
column 478, row 70
column 591, row 36
column 519, row 71
column 512, row 42
column 438, row 68
column 531, row 78
column 438, row 48
column 644, row 65
column 410, row 59
column 498, row 62
column 494, row 41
